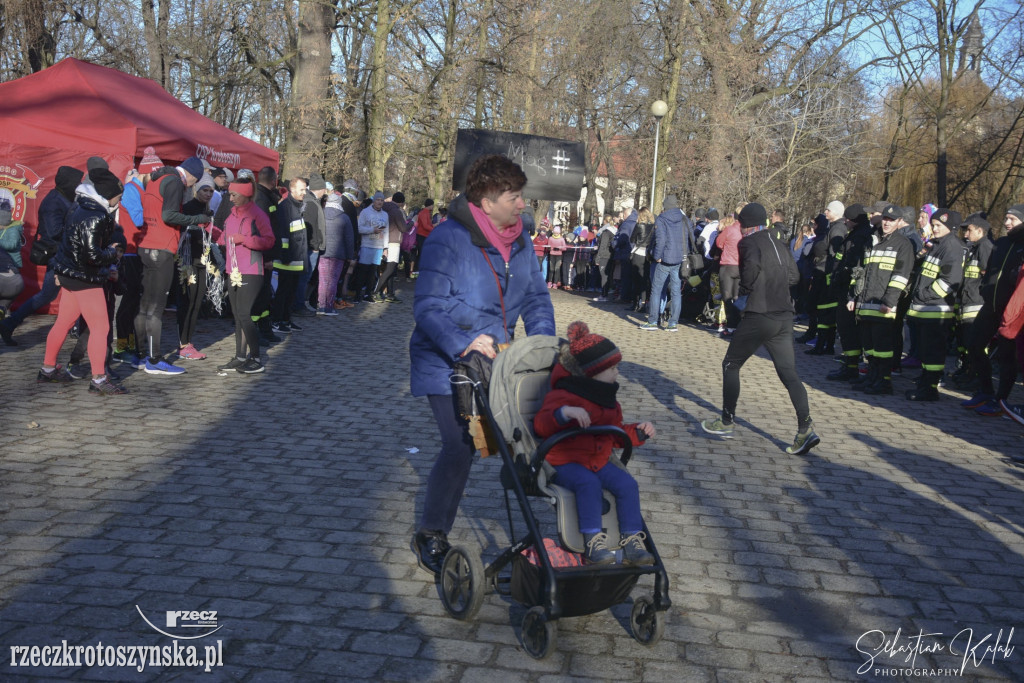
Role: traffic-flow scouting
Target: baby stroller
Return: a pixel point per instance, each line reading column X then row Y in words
column 695, row 303
column 518, row 382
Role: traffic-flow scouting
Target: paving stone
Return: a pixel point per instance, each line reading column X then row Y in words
column 300, row 539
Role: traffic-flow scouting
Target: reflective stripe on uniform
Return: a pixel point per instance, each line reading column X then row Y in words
column 898, row 282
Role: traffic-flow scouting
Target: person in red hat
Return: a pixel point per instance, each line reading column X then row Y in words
column 583, row 389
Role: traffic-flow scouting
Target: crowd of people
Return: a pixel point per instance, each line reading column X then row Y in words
column 197, row 238
column 869, row 276
column 193, row 237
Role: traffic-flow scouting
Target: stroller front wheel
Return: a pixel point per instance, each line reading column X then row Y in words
column 540, row 636
column 646, row 623
column 462, row 583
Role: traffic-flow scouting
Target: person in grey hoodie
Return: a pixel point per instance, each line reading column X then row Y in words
column 672, row 235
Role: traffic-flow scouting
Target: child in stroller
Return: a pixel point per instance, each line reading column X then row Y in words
column 583, row 389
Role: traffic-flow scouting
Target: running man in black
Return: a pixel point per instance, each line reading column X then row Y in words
column 767, row 271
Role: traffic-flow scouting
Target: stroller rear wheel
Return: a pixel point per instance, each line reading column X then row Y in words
column 462, row 582
column 646, row 623
column 540, row 636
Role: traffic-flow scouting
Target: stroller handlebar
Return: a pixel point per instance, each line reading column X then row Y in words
column 547, row 444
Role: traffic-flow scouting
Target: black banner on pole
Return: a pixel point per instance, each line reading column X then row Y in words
column 553, row 167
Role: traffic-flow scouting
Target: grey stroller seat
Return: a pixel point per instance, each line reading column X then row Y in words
column 520, row 380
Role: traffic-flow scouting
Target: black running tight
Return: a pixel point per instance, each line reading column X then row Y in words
column 157, row 273
column 242, row 299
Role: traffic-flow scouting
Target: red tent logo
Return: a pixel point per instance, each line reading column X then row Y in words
column 18, row 184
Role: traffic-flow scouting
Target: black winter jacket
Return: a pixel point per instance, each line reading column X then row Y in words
column 767, row 271
column 976, row 259
column 85, row 253
column 292, row 246
column 834, row 239
column 849, row 256
column 1001, row 276
column 938, row 280
column 641, row 239
column 888, row 266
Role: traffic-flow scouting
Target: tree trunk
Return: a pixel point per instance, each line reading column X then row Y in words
column 41, row 43
column 311, row 95
column 154, row 26
column 376, row 151
column 481, row 52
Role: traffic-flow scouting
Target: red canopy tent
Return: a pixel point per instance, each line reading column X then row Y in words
column 63, row 115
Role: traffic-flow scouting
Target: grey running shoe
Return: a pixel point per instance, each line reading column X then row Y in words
column 232, row 364
column 250, row 367
column 78, row 370
column 106, row 388
column 717, row 427
column 57, row 375
column 804, row 441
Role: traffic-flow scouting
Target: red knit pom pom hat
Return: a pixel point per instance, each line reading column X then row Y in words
column 588, row 354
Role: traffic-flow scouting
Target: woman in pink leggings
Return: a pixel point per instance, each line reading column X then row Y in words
column 86, row 259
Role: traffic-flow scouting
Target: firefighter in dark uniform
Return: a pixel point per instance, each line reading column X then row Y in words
column 888, row 266
column 932, row 304
column 849, row 259
column 829, row 301
column 976, row 255
column 908, row 228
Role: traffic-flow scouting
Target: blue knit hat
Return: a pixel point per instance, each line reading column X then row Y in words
column 194, row 167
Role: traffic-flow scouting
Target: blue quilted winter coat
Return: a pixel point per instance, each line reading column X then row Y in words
column 457, row 297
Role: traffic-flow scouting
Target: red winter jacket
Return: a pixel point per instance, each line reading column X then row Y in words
column 728, row 241
column 539, row 243
column 591, row 451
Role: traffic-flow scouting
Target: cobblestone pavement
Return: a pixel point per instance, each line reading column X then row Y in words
column 285, row 502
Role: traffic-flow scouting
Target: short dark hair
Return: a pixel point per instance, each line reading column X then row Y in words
column 428, row 202
column 491, row 176
column 268, row 174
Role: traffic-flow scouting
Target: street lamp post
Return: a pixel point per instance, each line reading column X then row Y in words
column 658, row 108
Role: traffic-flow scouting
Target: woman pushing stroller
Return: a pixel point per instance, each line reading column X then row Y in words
column 583, row 389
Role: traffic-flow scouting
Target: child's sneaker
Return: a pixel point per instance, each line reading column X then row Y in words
column 633, row 550
column 717, row 427
column 597, row 551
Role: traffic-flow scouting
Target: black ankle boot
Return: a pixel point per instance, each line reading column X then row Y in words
column 844, row 374
column 870, row 377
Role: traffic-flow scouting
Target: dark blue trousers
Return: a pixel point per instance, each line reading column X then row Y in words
column 587, row 485
column 450, row 473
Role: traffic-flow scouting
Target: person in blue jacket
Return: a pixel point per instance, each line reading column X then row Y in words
column 53, row 212
column 478, row 276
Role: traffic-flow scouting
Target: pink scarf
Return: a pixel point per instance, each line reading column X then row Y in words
column 502, row 240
